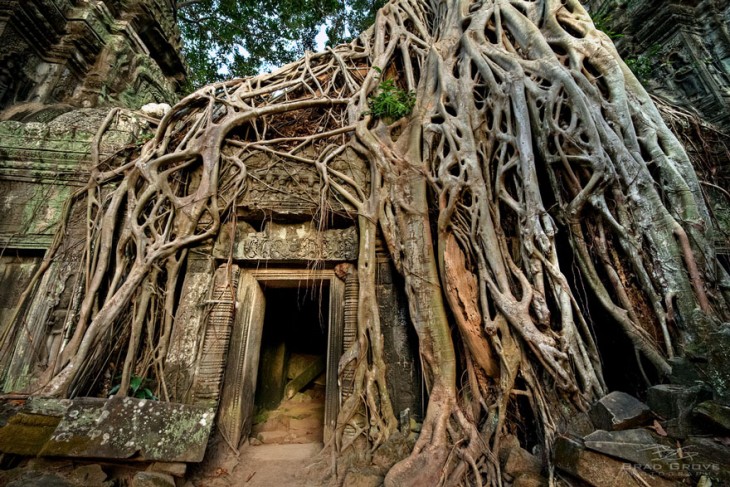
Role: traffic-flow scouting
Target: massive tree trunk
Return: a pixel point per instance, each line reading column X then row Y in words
column 526, row 123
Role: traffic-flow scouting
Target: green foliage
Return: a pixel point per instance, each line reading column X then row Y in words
column 229, row 38
column 603, row 21
column 391, row 102
column 643, row 64
column 136, row 388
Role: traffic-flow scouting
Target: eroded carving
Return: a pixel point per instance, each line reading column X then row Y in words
column 289, row 242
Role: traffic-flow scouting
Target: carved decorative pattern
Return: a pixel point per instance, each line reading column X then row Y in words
column 237, row 398
column 211, row 366
column 288, row 187
column 349, row 334
column 289, row 242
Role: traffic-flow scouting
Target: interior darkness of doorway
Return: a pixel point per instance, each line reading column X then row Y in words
column 295, row 322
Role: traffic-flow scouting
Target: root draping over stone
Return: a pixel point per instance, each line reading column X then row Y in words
column 527, row 127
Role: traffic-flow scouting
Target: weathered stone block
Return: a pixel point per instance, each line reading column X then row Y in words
column 41, row 479
column 672, row 400
column 89, row 476
column 637, row 447
column 618, row 411
column 579, row 425
column 683, row 372
column 715, row 413
column 597, row 470
column 127, row 427
column 518, row 460
column 706, row 456
column 152, row 479
column 25, row 434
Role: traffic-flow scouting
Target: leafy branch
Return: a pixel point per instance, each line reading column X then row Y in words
column 391, row 102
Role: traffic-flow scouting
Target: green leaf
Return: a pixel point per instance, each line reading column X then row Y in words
column 147, row 394
column 135, row 383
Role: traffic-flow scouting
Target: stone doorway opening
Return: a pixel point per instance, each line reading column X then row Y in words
column 291, row 381
column 236, row 409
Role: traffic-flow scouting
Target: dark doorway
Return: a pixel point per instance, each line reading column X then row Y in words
column 290, row 390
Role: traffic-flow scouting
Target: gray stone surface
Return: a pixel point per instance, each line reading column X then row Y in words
column 618, row 410
column 26, row 434
column 715, row 413
column 282, row 242
column 579, row 425
column 637, row 447
column 673, row 400
column 684, row 372
column 400, row 344
column 680, row 47
column 709, row 457
column 123, row 428
column 89, row 53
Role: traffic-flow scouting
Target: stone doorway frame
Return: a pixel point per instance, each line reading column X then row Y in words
column 239, row 384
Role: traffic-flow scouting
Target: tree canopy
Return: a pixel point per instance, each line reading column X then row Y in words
column 230, row 38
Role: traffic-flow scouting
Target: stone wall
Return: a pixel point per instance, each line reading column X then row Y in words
column 88, row 53
column 679, row 49
column 41, row 165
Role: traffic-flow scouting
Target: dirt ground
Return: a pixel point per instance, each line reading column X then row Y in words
column 283, row 450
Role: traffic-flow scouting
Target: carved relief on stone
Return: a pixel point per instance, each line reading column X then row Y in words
column 284, row 186
column 288, row 242
column 89, row 53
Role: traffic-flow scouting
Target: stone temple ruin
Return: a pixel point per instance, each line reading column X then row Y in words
column 265, row 311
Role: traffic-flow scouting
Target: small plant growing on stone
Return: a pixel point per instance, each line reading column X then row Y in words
column 391, row 102
column 136, row 388
column 643, row 64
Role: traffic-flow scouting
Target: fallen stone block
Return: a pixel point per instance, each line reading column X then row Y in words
column 639, row 448
column 579, row 425
column 41, row 479
column 683, row 372
column 123, row 428
column 673, row 401
column 518, row 460
column 619, row 411
column 26, row 434
column 89, row 476
column 708, row 457
column 715, row 413
column 597, row 470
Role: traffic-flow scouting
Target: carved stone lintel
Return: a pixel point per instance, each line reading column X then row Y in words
column 298, row 242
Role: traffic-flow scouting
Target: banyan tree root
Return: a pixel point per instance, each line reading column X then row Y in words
column 526, row 124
